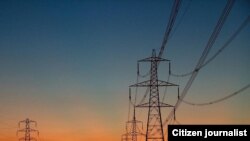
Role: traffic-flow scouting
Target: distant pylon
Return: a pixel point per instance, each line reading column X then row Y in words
column 133, row 132
column 27, row 130
column 154, row 120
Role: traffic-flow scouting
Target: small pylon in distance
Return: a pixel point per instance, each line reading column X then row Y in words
column 132, row 129
column 27, row 130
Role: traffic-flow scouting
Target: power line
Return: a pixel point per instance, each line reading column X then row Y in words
column 144, row 96
column 240, row 28
column 181, row 18
column 210, row 43
column 245, row 22
column 165, row 91
column 173, row 15
column 218, row 100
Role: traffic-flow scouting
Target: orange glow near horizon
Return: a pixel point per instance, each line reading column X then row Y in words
column 94, row 128
column 79, row 118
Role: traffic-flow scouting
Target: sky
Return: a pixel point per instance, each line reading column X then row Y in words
column 67, row 64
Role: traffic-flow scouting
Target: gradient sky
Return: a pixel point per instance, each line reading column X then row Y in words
column 68, row 63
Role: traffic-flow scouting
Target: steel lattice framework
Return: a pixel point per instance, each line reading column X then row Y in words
column 154, row 121
column 27, row 130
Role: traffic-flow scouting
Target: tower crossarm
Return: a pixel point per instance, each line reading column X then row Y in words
column 147, row 83
column 149, row 59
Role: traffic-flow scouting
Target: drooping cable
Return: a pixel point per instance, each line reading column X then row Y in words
column 240, row 28
column 210, row 43
column 173, row 15
column 217, row 100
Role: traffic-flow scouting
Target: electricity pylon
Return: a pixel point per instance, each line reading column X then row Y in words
column 154, row 120
column 132, row 129
column 27, row 130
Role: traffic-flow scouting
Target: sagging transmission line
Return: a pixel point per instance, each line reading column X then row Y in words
column 218, row 100
column 203, row 57
column 181, row 18
column 170, row 25
column 242, row 26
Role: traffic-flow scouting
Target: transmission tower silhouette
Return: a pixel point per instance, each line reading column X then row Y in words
column 132, row 129
column 154, row 120
column 27, row 130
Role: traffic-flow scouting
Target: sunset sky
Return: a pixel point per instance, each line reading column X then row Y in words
column 67, row 64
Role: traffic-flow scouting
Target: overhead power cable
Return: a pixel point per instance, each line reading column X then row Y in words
column 165, row 91
column 218, row 100
column 241, row 27
column 208, row 47
column 170, row 25
column 181, row 18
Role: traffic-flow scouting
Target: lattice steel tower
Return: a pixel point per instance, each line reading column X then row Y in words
column 27, row 130
column 134, row 131
column 154, row 121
